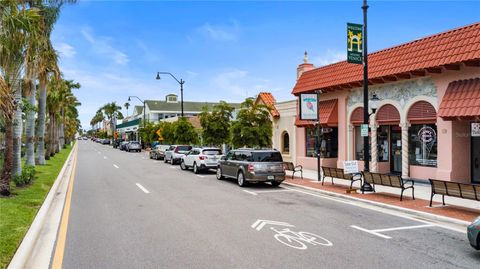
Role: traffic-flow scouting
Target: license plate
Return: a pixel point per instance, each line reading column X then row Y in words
column 270, row 177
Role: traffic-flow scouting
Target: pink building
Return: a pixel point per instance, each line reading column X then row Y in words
column 426, row 122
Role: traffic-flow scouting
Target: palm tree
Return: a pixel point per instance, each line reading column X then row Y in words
column 113, row 112
column 66, row 101
column 127, row 105
column 16, row 25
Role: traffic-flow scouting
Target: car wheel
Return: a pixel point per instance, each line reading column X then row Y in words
column 165, row 160
column 183, row 166
column 195, row 168
column 219, row 174
column 241, row 179
column 276, row 183
column 150, row 156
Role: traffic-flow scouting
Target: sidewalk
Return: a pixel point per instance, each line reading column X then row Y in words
column 461, row 209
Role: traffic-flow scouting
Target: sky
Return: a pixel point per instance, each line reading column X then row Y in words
column 224, row 50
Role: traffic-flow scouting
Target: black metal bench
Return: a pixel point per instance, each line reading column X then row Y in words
column 289, row 166
column 333, row 172
column 454, row 189
column 389, row 181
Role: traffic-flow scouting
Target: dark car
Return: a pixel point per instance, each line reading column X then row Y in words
column 105, row 141
column 251, row 165
column 123, row 145
column 473, row 233
column 116, row 143
column 158, row 152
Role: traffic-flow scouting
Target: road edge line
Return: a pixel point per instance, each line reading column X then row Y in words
column 24, row 251
column 417, row 213
column 59, row 250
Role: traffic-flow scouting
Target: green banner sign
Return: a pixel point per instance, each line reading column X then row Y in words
column 354, row 43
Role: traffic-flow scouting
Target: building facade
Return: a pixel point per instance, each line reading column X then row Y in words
column 425, row 124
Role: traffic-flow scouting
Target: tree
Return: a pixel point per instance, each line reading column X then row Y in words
column 17, row 23
column 113, row 112
column 185, row 132
column 252, row 127
column 216, row 124
column 126, row 105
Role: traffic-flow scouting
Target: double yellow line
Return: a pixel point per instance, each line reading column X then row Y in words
column 62, row 232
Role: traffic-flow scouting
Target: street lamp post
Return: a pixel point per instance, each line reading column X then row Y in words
column 143, row 102
column 181, row 82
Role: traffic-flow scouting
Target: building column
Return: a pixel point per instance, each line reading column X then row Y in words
column 350, row 143
column 373, row 147
column 405, row 165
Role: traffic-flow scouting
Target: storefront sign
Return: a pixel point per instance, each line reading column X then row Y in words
column 475, row 129
column 350, row 167
column 354, row 43
column 364, row 130
column 427, row 135
column 308, row 106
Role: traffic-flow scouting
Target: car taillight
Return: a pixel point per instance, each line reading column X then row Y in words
column 202, row 157
column 251, row 168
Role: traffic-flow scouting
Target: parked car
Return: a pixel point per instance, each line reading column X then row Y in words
column 117, row 142
column 123, row 145
column 473, row 232
column 105, row 141
column 201, row 159
column 175, row 153
column 134, row 146
column 250, row 165
column 158, row 152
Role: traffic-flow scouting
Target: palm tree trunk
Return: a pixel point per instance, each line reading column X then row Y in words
column 17, row 132
column 42, row 104
column 62, row 131
column 7, row 158
column 31, row 128
column 57, row 137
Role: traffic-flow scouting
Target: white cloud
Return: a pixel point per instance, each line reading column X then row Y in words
column 221, row 32
column 102, row 46
column 330, row 57
column 65, row 50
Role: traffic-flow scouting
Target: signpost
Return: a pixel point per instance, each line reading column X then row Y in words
column 354, row 43
column 159, row 133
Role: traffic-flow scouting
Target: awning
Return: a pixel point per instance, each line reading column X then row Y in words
column 461, row 100
column 328, row 115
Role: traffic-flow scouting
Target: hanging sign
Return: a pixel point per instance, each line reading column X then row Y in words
column 308, row 106
column 354, row 43
column 475, row 129
column 364, row 130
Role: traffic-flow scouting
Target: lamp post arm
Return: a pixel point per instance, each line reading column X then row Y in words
column 168, row 73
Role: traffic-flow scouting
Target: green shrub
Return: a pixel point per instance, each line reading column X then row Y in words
column 27, row 176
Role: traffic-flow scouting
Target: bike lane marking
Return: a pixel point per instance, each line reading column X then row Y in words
column 142, row 188
column 250, row 192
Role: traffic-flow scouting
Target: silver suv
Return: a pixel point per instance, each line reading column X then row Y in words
column 250, row 165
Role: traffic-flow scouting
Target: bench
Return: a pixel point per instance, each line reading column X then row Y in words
column 289, row 166
column 338, row 173
column 389, row 181
column 454, row 189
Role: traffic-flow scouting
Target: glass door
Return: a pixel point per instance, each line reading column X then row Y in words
column 396, row 142
column 475, row 159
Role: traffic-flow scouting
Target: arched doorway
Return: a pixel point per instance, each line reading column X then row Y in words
column 422, row 134
column 285, row 143
column 389, row 139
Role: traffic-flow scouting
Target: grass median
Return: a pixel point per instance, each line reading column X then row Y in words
column 18, row 211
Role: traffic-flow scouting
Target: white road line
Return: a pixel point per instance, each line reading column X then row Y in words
column 99, row 152
column 105, row 157
column 173, row 167
column 116, row 166
column 250, row 192
column 370, row 232
column 142, row 188
column 404, row 228
column 200, row 176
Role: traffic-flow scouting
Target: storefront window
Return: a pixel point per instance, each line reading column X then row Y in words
column 422, row 145
column 382, row 143
column 328, row 144
column 286, row 143
column 359, row 144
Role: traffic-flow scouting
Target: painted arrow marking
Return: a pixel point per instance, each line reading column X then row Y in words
column 259, row 224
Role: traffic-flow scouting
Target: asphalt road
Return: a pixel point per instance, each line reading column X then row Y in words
column 132, row 212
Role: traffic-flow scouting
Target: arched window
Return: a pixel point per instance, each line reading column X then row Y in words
column 286, row 143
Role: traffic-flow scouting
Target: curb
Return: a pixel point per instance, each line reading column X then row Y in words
column 26, row 248
column 428, row 216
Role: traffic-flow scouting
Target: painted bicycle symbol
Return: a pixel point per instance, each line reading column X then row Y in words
column 299, row 240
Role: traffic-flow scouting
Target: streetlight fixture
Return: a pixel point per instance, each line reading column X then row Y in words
column 181, row 82
column 143, row 102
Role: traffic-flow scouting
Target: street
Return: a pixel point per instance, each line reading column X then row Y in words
column 128, row 211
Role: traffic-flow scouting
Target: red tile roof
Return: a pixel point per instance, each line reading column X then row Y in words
column 328, row 114
column 268, row 99
column 461, row 100
column 444, row 49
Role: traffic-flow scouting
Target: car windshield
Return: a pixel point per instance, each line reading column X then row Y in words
column 183, row 148
column 134, row 143
column 212, row 152
column 267, row 156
